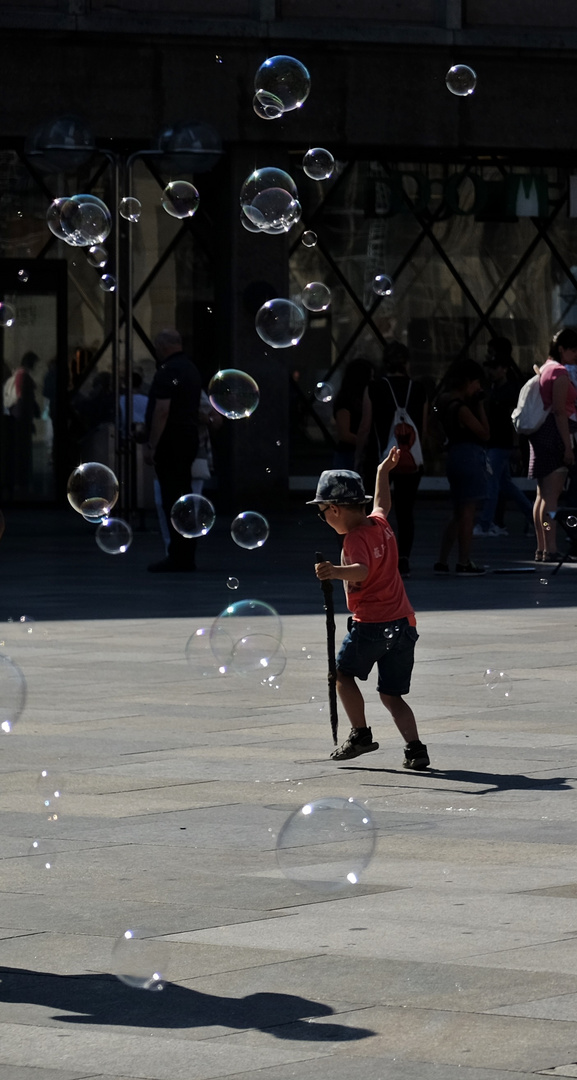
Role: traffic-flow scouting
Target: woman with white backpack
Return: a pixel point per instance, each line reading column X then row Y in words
column 552, row 453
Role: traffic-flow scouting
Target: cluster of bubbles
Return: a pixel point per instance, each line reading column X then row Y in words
column 326, row 844
column 92, row 491
column 80, row 220
column 245, row 639
column 269, row 201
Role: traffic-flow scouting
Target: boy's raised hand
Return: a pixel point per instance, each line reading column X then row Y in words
column 391, row 459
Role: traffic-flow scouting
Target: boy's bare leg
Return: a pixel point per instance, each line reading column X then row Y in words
column 403, row 716
column 352, row 700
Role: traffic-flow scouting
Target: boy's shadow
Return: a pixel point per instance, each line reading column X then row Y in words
column 103, row 999
column 492, row 781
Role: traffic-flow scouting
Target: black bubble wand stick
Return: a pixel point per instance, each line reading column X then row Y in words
column 327, row 591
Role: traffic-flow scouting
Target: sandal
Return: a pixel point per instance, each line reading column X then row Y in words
column 538, row 556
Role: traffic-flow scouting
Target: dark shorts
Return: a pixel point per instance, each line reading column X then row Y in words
column 391, row 646
column 467, row 473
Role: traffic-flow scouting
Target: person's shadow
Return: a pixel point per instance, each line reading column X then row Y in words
column 103, row 999
column 490, row 782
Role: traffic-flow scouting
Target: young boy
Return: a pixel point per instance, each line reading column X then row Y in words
column 382, row 629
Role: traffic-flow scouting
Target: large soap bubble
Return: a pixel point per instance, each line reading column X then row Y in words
column 318, row 164
column 233, row 394
column 232, row 629
column 461, row 80
column 286, row 78
column 139, row 960
column 316, row 296
column 12, row 693
column 92, row 490
column 280, row 323
column 180, row 199
column 193, row 515
column 266, row 179
column 249, row 530
column 114, row 536
column 326, row 844
column 85, row 220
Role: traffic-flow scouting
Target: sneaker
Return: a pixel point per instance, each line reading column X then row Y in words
column 404, row 568
column 441, row 568
column 480, row 531
column 470, row 569
column 416, row 756
column 355, row 745
column 497, row 530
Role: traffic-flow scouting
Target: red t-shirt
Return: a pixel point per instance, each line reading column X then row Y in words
column 381, row 597
column 550, row 372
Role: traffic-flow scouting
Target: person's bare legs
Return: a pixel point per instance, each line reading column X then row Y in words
column 538, row 511
column 466, row 522
column 352, row 700
column 403, row 716
column 551, row 488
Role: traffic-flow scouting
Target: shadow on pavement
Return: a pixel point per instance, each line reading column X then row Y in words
column 102, row 999
column 493, row 781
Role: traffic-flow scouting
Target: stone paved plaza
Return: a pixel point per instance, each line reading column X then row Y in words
column 456, row 954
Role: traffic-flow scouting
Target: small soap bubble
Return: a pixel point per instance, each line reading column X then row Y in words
column 12, row 694
column 218, row 59
column 571, row 522
column 42, row 858
column 92, row 490
column 180, row 199
column 280, row 323
column 139, row 960
column 383, row 285
column 232, row 583
column 286, row 78
column 316, row 296
column 97, row 256
column 108, row 283
column 239, row 622
column 498, row 682
column 27, row 624
column 326, row 844
column 114, row 536
column 250, row 530
column 130, row 209
column 318, row 164
column 461, row 80
column 7, row 315
column 267, row 106
column 324, row 392
column 543, row 581
column 23, row 276
column 233, row 394
column 309, row 238
column 193, row 515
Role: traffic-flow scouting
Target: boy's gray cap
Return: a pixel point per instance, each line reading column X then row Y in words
column 339, row 486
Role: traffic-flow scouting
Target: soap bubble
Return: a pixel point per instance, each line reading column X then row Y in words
column 85, row 220
column 49, row 788
column 193, row 515
column 233, row 394
column 326, row 844
column 236, row 624
column 286, row 78
column 23, row 276
column 27, row 624
column 12, row 693
column 318, row 164
column 316, row 296
column 114, row 536
column 267, row 106
column 97, row 256
column 571, row 521
column 92, row 490
column 383, row 285
column 199, row 654
column 273, row 209
column 280, row 323
column 309, row 238
column 107, row 283
column 232, row 583
column 42, row 857
column 249, row 530
column 498, row 682
column 324, row 392
column 139, row 960
column 130, row 209
column 7, row 315
column 180, row 199
column 543, row 581
column 461, row 80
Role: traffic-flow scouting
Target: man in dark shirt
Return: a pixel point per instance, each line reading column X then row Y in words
column 172, row 424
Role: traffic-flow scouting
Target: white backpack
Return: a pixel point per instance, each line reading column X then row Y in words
column 404, row 434
column 9, row 393
column 529, row 413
